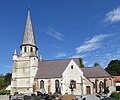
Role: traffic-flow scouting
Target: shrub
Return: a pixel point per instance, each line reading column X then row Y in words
column 4, row 92
column 106, row 91
column 115, row 95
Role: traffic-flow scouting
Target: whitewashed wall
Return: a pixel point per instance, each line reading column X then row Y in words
column 73, row 74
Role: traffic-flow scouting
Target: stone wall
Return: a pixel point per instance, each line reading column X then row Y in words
column 4, row 97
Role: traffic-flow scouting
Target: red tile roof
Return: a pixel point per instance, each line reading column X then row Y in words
column 117, row 78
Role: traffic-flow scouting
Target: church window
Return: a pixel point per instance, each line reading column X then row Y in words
column 57, row 89
column 93, row 85
column 101, row 84
column 105, row 83
column 101, row 87
column 73, row 84
column 41, row 84
column 71, row 66
column 31, row 49
column 25, row 49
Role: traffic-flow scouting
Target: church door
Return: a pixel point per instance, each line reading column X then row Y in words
column 48, row 89
column 88, row 90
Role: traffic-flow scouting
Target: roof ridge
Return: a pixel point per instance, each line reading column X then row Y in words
column 60, row 59
column 93, row 67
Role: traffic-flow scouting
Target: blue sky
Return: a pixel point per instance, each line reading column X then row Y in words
column 63, row 29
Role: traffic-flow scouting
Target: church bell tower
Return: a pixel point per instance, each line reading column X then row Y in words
column 25, row 65
column 28, row 46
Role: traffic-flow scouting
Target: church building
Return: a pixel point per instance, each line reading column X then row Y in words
column 31, row 74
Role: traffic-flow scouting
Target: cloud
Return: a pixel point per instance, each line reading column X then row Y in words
column 113, row 16
column 57, row 35
column 97, row 38
column 78, row 56
column 87, row 47
column 61, row 54
column 92, row 44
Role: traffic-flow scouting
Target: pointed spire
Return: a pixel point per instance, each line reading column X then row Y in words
column 15, row 52
column 15, row 56
column 29, row 37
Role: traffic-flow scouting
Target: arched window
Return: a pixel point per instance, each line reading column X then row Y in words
column 57, row 89
column 73, row 84
column 101, row 86
column 93, row 85
column 105, row 84
column 31, row 49
column 25, row 49
column 71, row 66
column 41, row 84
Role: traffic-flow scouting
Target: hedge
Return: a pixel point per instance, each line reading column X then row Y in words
column 4, row 92
column 116, row 95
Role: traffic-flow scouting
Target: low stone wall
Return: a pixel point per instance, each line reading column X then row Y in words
column 4, row 97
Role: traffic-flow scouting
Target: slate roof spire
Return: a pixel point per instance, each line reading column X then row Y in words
column 29, row 38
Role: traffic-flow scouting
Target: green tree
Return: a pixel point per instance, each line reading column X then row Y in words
column 113, row 67
column 96, row 64
column 5, row 80
column 8, row 78
column 81, row 62
column 2, row 82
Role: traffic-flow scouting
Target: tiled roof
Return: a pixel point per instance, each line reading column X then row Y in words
column 53, row 68
column 117, row 78
column 95, row 72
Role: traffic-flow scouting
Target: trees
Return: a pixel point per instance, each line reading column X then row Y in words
column 8, row 78
column 2, row 83
column 5, row 80
column 113, row 67
column 81, row 62
column 96, row 64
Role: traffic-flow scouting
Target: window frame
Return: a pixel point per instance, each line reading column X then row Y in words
column 41, row 84
column 25, row 49
column 71, row 66
column 73, row 83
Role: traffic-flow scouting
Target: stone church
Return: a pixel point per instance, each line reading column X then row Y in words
column 31, row 74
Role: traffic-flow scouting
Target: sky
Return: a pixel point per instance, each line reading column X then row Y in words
column 63, row 29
